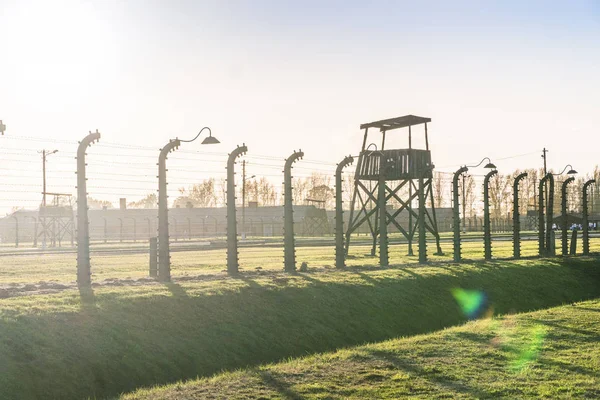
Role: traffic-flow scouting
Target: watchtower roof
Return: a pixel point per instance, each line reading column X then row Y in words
column 395, row 123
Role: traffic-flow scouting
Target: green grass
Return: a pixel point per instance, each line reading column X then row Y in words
column 545, row 354
column 124, row 337
column 28, row 269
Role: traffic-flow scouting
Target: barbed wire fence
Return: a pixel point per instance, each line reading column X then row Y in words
column 118, row 171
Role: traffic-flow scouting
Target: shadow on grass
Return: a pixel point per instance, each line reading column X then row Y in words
column 588, row 309
column 365, row 277
column 408, row 271
column 473, row 337
column 87, row 298
column 569, row 367
column 273, row 381
column 129, row 341
column 564, row 330
column 176, row 289
column 432, row 376
column 252, row 284
column 306, row 276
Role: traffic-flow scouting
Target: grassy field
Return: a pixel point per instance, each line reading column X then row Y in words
column 122, row 337
column 545, row 354
column 61, row 268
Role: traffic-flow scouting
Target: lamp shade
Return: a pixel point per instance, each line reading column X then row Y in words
column 210, row 140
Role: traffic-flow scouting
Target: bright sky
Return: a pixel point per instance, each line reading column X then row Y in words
column 498, row 79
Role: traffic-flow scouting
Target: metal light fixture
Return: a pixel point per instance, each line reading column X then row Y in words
column 210, row 139
column 489, row 164
column 570, row 172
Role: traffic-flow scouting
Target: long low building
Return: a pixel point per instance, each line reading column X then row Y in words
column 56, row 225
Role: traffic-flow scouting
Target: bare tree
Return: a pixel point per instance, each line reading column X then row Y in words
column 439, row 190
column 469, row 196
column 98, row 204
column 150, row 201
column 574, row 195
column 300, row 186
column 319, row 186
column 199, row 195
column 323, row 193
column 348, row 189
column 528, row 191
column 499, row 191
column 262, row 191
column 594, row 201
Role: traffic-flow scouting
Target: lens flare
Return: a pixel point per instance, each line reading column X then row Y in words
column 471, row 302
column 528, row 352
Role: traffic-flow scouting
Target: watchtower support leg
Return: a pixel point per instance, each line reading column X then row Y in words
column 422, row 238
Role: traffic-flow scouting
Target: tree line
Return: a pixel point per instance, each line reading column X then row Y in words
column 320, row 186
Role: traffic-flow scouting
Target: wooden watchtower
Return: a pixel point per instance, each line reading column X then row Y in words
column 404, row 175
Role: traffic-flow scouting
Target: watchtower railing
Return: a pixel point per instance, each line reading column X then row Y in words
column 402, row 164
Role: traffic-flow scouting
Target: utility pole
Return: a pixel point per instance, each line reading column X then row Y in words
column 243, row 199
column 44, row 177
column 45, row 153
column 545, row 157
column 464, row 203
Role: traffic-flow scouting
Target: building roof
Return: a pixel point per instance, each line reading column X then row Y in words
column 395, row 123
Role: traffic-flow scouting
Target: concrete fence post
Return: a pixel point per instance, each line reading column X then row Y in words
column 339, row 213
column 232, row 240
column 84, row 273
column 288, row 214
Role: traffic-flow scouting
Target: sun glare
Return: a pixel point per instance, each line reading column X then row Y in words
column 55, row 47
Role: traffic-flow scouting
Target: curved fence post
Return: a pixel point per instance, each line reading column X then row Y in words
column 487, row 234
column 164, row 257
column 456, row 213
column 84, row 270
column 339, row 213
column 563, row 220
column 550, row 242
column 288, row 214
column 586, row 222
column 232, row 240
column 517, row 217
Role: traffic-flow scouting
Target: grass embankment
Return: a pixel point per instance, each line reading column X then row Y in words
column 60, row 268
column 121, row 338
column 549, row 354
